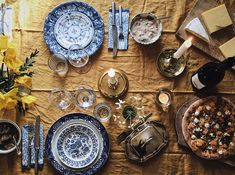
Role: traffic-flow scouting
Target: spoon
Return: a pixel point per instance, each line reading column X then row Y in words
column 17, row 147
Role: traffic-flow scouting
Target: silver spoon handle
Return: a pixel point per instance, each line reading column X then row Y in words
column 17, row 147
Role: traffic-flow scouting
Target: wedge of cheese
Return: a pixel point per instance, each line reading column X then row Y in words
column 216, row 18
column 228, row 48
column 196, row 28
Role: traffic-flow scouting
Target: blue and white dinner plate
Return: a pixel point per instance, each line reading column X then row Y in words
column 78, row 146
column 58, row 131
column 74, row 23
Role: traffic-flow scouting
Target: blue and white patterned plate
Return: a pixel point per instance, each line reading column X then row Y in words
column 74, row 23
column 78, row 146
column 77, row 119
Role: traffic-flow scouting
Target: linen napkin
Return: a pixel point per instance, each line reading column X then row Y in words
column 8, row 22
column 125, row 22
column 25, row 146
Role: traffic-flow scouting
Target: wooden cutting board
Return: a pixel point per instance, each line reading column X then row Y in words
column 180, row 137
column 216, row 39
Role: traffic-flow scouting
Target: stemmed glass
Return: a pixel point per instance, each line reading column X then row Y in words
column 61, row 99
column 79, row 58
column 85, row 97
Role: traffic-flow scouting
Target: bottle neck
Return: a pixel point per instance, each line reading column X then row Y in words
column 228, row 63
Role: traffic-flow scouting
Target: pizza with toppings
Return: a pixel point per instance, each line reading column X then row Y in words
column 209, row 127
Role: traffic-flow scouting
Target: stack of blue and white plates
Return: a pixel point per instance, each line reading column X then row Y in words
column 77, row 144
column 74, row 23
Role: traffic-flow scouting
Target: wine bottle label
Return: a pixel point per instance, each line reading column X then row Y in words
column 196, row 82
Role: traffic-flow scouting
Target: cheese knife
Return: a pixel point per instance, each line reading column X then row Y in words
column 114, row 30
column 37, row 143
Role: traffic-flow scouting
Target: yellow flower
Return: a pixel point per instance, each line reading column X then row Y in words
column 10, row 103
column 2, row 101
column 3, row 43
column 1, row 58
column 12, row 93
column 11, row 61
column 25, row 81
column 29, row 99
column 9, row 99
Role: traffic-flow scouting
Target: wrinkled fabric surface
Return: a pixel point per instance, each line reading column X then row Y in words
column 139, row 64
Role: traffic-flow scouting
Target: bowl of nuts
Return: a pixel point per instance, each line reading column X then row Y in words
column 146, row 28
column 9, row 131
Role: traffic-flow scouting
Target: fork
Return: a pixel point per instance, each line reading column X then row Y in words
column 121, row 36
column 30, row 138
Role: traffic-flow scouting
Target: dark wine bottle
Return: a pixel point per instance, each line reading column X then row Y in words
column 210, row 74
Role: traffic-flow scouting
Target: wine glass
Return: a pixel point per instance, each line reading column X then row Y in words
column 79, row 58
column 85, row 97
column 61, row 99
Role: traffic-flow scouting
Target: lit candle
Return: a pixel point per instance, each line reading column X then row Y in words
column 183, row 48
column 163, row 98
column 112, row 79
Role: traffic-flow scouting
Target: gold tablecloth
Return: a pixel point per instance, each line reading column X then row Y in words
column 138, row 63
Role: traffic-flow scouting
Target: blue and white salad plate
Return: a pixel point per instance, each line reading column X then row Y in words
column 78, row 146
column 60, row 154
column 73, row 23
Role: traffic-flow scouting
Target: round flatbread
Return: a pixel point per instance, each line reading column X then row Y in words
column 208, row 127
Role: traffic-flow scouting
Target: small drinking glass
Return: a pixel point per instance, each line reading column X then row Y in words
column 164, row 99
column 61, row 99
column 59, row 64
column 79, row 58
column 85, row 97
column 103, row 112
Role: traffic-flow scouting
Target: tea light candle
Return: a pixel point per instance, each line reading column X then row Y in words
column 163, row 98
column 183, row 48
column 112, row 79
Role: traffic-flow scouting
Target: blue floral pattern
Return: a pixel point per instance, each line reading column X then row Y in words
column 74, row 23
column 104, row 150
column 77, row 146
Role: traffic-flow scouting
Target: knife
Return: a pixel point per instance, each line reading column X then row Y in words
column 37, row 143
column 114, row 30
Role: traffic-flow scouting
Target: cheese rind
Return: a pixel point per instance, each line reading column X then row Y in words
column 196, row 28
column 228, row 48
column 216, row 18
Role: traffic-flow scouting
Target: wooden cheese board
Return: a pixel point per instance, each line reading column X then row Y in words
column 180, row 138
column 216, row 39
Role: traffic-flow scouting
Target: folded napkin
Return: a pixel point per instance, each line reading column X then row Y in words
column 125, row 22
column 8, row 22
column 25, row 145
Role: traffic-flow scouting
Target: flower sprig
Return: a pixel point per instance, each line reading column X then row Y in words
column 15, row 77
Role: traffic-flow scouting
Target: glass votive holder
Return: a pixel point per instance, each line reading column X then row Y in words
column 103, row 112
column 58, row 63
column 85, row 97
column 164, row 98
column 61, row 99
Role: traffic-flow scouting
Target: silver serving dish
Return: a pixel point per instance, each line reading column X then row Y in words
column 145, row 141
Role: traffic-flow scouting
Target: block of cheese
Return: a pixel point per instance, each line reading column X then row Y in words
column 216, row 18
column 196, row 28
column 228, row 48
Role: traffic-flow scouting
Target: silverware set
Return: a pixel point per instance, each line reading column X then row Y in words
column 118, row 39
column 34, row 133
